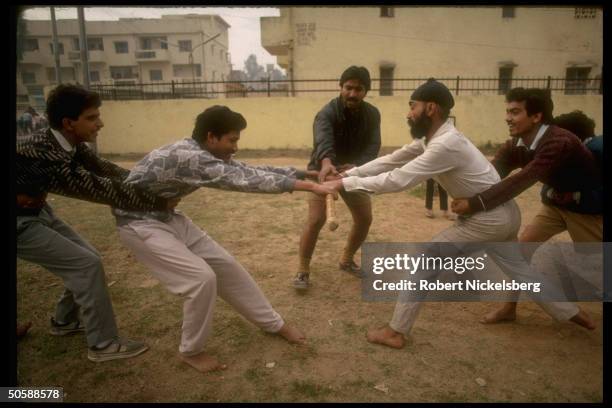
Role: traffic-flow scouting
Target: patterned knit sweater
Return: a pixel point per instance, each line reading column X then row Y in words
column 560, row 160
column 178, row 169
column 42, row 166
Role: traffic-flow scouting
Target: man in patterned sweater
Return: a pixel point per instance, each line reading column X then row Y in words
column 57, row 160
column 185, row 258
column 554, row 156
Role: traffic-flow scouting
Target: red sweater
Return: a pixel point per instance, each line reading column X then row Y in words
column 560, row 161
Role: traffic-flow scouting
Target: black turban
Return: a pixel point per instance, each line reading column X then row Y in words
column 434, row 91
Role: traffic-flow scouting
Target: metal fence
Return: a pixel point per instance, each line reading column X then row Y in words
column 275, row 88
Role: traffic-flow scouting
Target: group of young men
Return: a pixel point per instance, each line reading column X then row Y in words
column 347, row 140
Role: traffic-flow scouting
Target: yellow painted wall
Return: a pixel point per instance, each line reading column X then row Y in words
column 141, row 126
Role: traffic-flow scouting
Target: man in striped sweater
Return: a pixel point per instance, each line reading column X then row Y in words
column 57, row 160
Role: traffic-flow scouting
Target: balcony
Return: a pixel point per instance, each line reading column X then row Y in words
column 92, row 56
column 34, row 57
column 152, row 55
column 275, row 34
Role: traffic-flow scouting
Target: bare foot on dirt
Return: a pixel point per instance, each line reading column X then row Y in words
column 291, row 334
column 203, row 362
column 22, row 330
column 386, row 336
column 583, row 319
column 506, row 313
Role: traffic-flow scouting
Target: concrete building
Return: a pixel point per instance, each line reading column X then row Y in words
column 503, row 42
column 127, row 51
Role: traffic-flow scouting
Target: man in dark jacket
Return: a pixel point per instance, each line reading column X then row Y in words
column 346, row 133
column 56, row 160
column 554, row 156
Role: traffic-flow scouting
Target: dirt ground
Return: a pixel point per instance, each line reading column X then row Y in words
column 532, row 360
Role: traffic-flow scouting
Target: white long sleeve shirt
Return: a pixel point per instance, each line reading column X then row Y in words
column 449, row 158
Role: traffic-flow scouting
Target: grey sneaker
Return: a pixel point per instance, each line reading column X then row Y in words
column 66, row 329
column 301, row 281
column 119, row 348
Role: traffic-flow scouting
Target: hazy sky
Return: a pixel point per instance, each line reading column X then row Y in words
column 244, row 34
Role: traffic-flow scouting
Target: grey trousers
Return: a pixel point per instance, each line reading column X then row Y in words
column 189, row 263
column 47, row 241
column 498, row 225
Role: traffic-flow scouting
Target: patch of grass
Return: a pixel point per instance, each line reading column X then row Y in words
column 256, row 374
column 308, row 389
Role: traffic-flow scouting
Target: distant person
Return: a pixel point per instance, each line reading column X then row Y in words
column 27, row 122
column 429, row 196
column 346, row 133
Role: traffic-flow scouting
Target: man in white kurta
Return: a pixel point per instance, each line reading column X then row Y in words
column 441, row 152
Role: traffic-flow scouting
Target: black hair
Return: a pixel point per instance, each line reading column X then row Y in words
column 218, row 120
column 359, row 73
column 69, row 101
column 536, row 101
column 576, row 122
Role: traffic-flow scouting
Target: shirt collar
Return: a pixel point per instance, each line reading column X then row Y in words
column 62, row 141
column 536, row 141
column 446, row 126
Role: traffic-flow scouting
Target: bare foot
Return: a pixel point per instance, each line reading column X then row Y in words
column 22, row 330
column 203, row 362
column 503, row 314
column 583, row 319
column 291, row 334
column 386, row 336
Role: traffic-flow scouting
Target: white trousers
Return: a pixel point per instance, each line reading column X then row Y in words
column 498, row 225
column 191, row 264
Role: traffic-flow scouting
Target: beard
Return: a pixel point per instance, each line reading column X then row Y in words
column 420, row 127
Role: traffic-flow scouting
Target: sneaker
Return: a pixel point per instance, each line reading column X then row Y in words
column 302, row 281
column 66, row 329
column 352, row 268
column 450, row 216
column 119, row 348
column 429, row 213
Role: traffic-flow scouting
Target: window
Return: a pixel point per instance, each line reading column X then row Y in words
column 386, row 81
column 576, row 80
column 94, row 76
column 30, row 44
column 153, row 43
column 67, row 74
column 155, row 75
column 146, row 44
column 187, row 70
column 585, row 12
column 60, row 48
column 51, row 74
column 505, row 80
column 386, row 12
column 184, row 45
column 95, row 44
column 28, row 77
column 508, row 11
column 123, row 72
column 76, row 45
column 121, row 47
